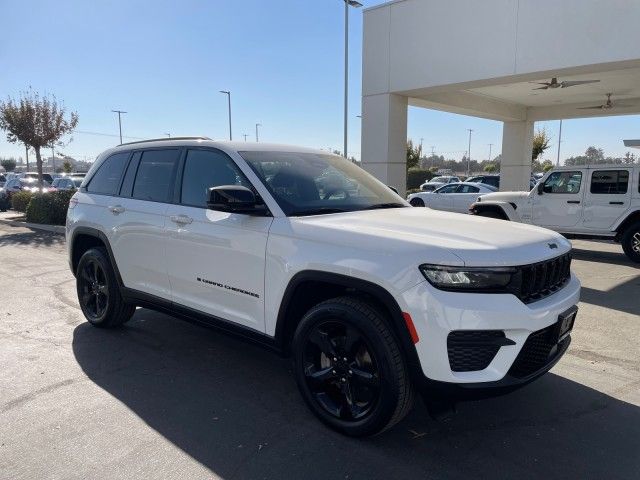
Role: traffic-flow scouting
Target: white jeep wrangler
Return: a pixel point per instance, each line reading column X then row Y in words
column 308, row 254
column 600, row 201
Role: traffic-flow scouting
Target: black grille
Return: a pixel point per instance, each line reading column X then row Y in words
column 540, row 348
column 540, row 280
column 473, row 350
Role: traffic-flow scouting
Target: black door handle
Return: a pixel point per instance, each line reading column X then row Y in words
column 616, row 203
column 573, row 201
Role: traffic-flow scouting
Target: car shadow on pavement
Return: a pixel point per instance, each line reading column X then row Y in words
column 234, row 408
column 31, row 238
column 610, row 258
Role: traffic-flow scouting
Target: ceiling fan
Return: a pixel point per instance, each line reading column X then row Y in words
column 606, row 106
column 565, row 84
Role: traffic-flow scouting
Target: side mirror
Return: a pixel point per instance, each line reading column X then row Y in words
column 234, row 199
column 540, row 188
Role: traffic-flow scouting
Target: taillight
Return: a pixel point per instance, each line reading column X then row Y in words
column 73, row 202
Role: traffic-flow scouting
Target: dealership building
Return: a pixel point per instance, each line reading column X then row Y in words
column 485, row 59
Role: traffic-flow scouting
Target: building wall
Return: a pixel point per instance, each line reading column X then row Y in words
column 419, row 44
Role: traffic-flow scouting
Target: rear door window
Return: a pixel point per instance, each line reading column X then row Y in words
column 155, row 179
column 106, row 180
column 612, row 182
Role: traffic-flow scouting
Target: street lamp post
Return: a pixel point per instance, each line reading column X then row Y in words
column 257, row 125
column 167, row 134
column 119, row 112
column 347, row 4
column 490, row 146
column 559, row 142
column 469, row 154
column 228, row 94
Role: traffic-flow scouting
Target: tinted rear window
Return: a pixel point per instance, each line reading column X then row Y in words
column 156, row 175
column 106, row 180
column 610, row 182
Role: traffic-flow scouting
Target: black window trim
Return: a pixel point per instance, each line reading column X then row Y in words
column 617, row 170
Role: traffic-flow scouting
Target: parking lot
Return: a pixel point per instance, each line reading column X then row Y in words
column 162, row 398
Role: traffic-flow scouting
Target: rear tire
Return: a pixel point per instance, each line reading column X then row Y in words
column 631, row 242
column 349, row 368
column 98, row 291
column 417, row 202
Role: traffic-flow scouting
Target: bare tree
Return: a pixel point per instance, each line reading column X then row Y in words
column 37, row 122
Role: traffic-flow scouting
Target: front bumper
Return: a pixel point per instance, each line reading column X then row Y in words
column 437, row 313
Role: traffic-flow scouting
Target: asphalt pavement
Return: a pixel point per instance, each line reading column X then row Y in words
column 161, row 398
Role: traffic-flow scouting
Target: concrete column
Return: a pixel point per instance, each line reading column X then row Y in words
column 517, row 143
column 384, row 139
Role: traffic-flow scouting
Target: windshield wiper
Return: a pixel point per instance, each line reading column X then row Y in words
column 317, row 211
column 378, row 206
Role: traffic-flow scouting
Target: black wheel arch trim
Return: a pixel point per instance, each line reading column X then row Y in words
column 398, row 325
column 100, row 235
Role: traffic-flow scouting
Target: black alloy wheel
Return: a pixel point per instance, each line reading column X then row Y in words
column 341, row 371
column 349, row 367
column 92, row 283
column 98, row 291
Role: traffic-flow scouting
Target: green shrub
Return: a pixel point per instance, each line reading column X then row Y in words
column 20, row 201
column 417, row 176
column 49, row 208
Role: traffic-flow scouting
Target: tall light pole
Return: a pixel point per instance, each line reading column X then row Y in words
column 347, row 4
column 559, row 142
column 257, row 125
column 433, row 154
column 490, row 146
column 228, row 94
column 26, row 151
column 469, row 153
column 167, row 134
column 245, row 135
column 119, row 112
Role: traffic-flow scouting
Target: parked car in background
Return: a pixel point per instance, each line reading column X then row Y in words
column 4, row 200
column 454, row 197
column 600, row 201
column 437, row 182
column 45, row 176
column 493, row 180
column 27, row 184
column 66, row 183
column 3, row 180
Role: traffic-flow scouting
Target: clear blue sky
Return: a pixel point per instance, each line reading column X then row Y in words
column 164, row 62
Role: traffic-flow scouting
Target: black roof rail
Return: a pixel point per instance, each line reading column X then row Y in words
column 165, row 139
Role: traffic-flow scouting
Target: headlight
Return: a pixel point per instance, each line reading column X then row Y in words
column 471, row 279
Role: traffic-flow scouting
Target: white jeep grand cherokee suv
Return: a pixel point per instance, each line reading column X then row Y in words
column 308, row 254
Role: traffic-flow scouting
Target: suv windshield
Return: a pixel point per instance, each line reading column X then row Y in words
column 315, row 183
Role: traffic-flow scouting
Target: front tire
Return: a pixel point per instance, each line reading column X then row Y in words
column 349, row 368
column 417, row 202
column 631, row 242
column 99, row 292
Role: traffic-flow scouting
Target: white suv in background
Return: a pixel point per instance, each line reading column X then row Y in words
column 600, row 201
column 308, row 254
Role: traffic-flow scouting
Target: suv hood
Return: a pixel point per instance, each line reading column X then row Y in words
column 504, row 196
column 424, row 235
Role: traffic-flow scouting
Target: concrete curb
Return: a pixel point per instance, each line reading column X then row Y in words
column 58, row 229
